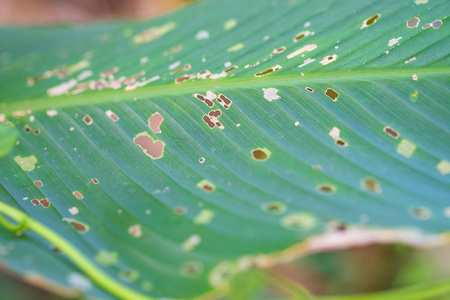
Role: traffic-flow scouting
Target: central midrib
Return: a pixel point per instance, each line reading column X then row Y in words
column 199, row 86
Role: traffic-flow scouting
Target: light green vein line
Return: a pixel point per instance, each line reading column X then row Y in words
column 101, row 278
column 90, row 98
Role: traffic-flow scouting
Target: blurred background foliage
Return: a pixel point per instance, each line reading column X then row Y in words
column 356, row 270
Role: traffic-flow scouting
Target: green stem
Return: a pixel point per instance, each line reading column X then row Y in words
column 288, row 286
column 102, row 279
column 419, row 292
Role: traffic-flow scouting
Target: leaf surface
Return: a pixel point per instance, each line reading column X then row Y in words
column 351, row 127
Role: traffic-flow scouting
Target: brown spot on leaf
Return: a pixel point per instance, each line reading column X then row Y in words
column 268, row 71
column 207, row 186
column 27, row 129
column 211, row 119
column 332, row 94
column 371, row 184
column 224, row 101
column 420, row 212
column 88, row 120
column 261, row 154
column 412, row 23
column 77, row 225
column 112, row 116
column 370, row 21
column 78, row 195
column 38, row 183
column 391, row 132
column 45, row 203
column 185, row 77
column 154, row 122
column 153, row 149
column 278, row 51
column 341, row 142
column 327, row 188
column 179, row 210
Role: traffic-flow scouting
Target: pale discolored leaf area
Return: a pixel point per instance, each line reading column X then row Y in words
column 157, row 159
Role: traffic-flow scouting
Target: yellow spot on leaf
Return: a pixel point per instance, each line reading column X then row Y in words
column 406, row 148
column 443, row 167
column 414, row 96
column 26, row 163
column 191, row 242
column 229, row 24
column 236, row 47
column 299, row 221
column 154, row 33
column 207, row 186
column 107, row 258
column 204, row 217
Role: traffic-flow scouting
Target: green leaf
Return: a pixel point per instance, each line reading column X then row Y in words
column 8, row 136
column 339, row 116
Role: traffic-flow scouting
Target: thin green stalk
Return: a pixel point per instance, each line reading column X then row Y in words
column 418, row 292
column 102, row 279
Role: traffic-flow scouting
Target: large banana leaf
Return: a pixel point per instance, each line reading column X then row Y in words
column 137, row 173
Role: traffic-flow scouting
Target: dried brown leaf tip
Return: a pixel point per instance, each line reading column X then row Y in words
column 371, row 184
column 77, row 225
column 370, row 21
column 268, row 71
column 153, row 149
column 154, row 122
column 211, row 119
column 332, row 94
column 391, row 132
column 261, row 154
column 208, row 99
